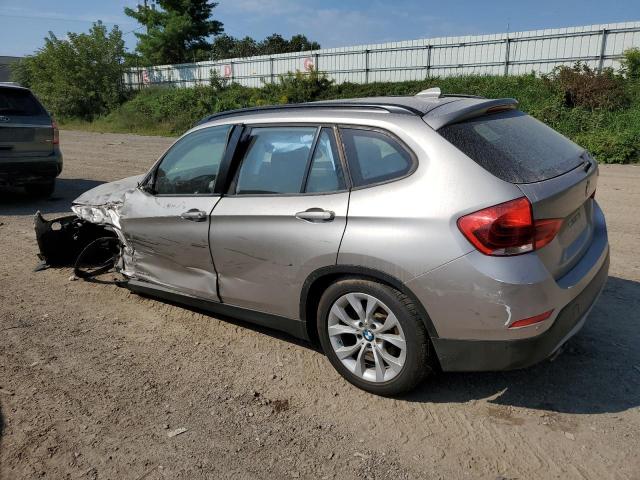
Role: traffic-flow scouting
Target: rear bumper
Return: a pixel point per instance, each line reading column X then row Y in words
column 487, row 355
column 22, row 171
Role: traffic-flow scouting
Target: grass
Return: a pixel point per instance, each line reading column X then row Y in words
column 611, row 133
column 106, row 125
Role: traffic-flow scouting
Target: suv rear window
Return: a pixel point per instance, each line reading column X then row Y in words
column 18, row 102
column 514, row 146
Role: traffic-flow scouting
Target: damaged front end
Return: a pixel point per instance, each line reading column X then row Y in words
column 70, row 241
column 91, row 241
column 62, row 239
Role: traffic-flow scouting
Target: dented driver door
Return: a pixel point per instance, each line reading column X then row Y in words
column 166, row 221
column 283, row 218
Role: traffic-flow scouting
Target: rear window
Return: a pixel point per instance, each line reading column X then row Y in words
column 18, row 102
column 514, row 147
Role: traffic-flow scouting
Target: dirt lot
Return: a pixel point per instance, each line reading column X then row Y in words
column 93, row 379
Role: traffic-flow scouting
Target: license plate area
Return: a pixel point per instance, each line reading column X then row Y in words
column 574, row 225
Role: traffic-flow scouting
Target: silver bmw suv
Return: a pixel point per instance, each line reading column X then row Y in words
column 405, row 234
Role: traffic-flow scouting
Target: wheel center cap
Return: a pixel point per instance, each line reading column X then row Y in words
column 368, row 335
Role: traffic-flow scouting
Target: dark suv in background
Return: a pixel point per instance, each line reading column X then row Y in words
column 30, row 154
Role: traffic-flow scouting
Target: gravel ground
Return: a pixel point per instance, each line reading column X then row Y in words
column 98, row 383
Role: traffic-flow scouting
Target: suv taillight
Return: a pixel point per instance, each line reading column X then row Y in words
column 56, row 133
column 508, row 229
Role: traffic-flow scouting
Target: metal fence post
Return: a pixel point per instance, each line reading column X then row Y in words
column 271, row 72
column 428, row 61
column 507, row 45
column 231, row 67
column 316, row 57
column 603, row 47
column 366, row 66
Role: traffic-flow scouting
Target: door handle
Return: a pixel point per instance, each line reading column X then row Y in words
column 194, row 215
column 316, row 215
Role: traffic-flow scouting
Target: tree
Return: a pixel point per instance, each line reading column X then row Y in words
column 300, row 43
column 222, row 46
column 274, row 44
column 246, row 47
column 226, row 46
column 77, row 77
column 177, row 31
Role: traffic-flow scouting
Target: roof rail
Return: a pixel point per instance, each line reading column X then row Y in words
column 387, row 107
column 11, row 84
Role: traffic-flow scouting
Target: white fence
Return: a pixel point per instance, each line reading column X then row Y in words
column 598, row 46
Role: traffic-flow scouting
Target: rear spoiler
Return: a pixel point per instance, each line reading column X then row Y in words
column 466, row 108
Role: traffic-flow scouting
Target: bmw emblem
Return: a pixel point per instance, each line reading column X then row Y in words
column 368, row 336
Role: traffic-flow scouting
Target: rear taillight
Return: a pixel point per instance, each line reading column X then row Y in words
column 545, row 231
column 508, row 229
column 56, row 133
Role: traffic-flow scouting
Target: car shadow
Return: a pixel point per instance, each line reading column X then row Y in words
column 598, row 371
column 15, row 201
column 270, row 332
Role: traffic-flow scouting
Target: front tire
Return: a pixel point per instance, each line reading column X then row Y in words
column 373, row 336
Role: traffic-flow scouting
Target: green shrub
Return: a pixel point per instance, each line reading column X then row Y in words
column 608, row 127
column 581, row 86
column 296, row 88
column 612, row 137
column 631, row 64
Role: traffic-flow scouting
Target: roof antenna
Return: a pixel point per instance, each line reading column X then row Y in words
column 434, row 92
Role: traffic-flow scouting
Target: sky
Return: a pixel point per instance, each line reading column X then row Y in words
column 333, row 23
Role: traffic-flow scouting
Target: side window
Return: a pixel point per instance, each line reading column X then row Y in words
column 190, row 167
column 373, row 156
column 275, row 160
column 325, row 174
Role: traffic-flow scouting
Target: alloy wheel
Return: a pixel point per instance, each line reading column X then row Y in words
column 367, row 337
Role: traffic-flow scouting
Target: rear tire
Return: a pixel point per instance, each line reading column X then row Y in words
column 41, row 189
column 374, row 337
